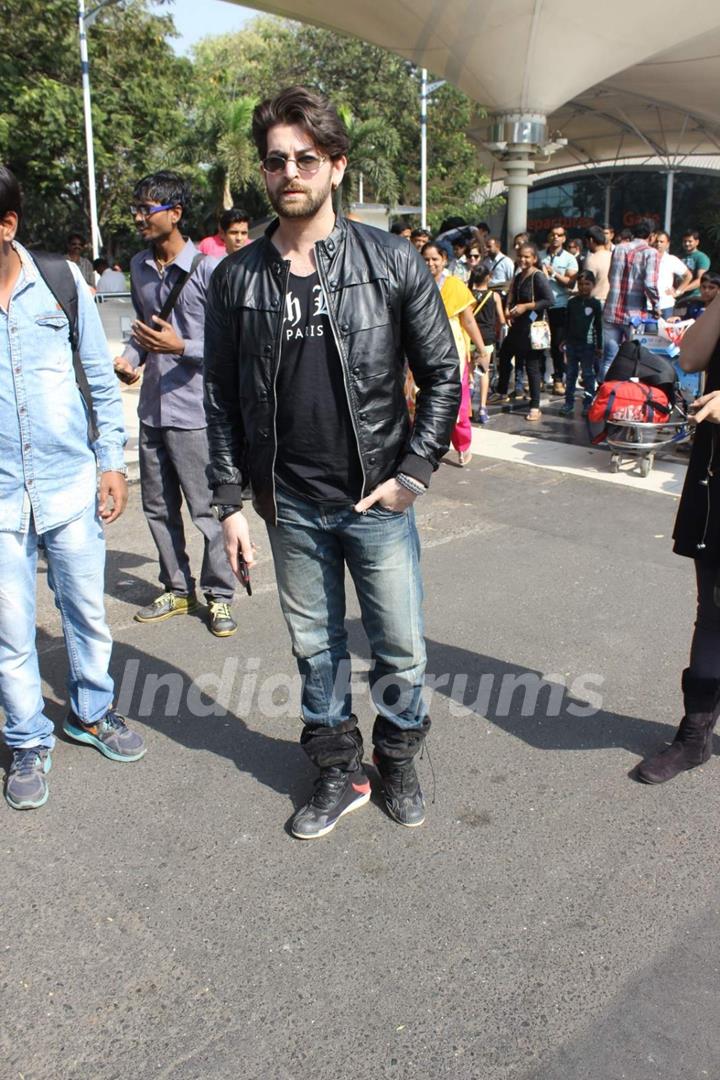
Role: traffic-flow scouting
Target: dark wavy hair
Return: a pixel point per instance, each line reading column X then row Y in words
column 10, row 194
column 312, row 112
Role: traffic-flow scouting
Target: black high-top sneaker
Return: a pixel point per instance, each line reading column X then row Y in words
column 336, row 793
column 401, row 790
column 395, row 749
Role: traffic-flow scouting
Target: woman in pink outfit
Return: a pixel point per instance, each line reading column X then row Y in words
column 459, row 303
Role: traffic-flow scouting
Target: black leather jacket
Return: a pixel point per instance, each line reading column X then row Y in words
column 383, row 305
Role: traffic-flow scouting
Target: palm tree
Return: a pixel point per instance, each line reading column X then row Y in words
column 235, row 149
column 374, row 147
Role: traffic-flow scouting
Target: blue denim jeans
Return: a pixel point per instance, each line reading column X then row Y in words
column 579, row 357
column 312, row 544
column 614, row 335
column 76, row 571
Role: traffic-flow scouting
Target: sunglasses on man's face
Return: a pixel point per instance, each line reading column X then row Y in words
column 306, row 164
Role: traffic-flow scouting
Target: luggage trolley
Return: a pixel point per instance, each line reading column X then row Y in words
column 633, row 441
column 630, row 440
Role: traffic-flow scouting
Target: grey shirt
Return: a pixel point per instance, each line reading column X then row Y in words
column 171, row 394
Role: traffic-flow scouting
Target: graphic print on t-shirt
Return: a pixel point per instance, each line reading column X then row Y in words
column 313, row 325
column 317, row 454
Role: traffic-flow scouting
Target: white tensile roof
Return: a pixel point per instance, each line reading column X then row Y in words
column 629, row 79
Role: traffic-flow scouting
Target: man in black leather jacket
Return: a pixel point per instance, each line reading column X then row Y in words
column 306, row 336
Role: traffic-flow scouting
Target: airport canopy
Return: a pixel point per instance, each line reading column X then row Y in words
column 563, row 84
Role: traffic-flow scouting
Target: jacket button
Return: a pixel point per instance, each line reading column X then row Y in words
column 330, row 246
column 701, row 547
column 333, row 284
column 704, row 483
column 262, row 435
column 267, row 349
column 371, row 461
column 356, row 372
column 345, row 328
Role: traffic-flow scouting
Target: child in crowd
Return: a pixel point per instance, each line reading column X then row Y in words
column 575, row 247
column 583, row 342
column 709, row 288
column 489, row 316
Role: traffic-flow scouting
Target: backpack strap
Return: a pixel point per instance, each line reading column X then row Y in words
column 58, row 277
column 182, row 280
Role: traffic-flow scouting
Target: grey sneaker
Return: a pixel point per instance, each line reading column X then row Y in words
column 26, row 787
column 110, row 735
column 165, row 606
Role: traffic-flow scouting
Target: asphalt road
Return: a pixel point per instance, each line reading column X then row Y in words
column 553, row 920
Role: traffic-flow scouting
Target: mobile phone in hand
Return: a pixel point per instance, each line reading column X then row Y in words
column 244, row 575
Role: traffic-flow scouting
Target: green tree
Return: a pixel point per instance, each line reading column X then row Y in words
column 378, row 90
column 137, row 104
column 372, row 158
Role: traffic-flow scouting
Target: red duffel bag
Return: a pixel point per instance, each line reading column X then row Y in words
column 633, row 401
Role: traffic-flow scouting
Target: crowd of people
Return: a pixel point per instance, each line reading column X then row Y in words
column 584, row 292
column 281, row 367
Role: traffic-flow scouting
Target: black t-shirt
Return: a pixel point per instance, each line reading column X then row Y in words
column 317, row 456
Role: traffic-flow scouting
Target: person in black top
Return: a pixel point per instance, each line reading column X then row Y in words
column 529, row 297
column 697, row 536
column 306, row 340
column 490, row 316
column 582, row 342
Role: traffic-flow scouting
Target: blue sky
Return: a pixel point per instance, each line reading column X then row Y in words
column 196, row 19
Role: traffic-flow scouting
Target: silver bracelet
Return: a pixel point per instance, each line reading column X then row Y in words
column 410, row 484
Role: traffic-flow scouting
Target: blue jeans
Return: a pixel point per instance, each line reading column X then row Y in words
column 312, row 544
column 614, row 335
column 76, row 572
column 579, row 357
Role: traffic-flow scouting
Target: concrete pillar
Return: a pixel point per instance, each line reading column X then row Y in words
column 669, row 186
column 516, row 139
column 519, row 167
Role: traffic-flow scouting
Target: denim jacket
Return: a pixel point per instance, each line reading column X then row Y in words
column 47, row 464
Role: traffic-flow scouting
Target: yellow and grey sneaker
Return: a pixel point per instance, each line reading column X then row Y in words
column 165, row 606
column 222, row 623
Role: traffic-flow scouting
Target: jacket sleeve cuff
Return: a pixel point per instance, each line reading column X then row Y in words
column 417, row 467
column 227, row 495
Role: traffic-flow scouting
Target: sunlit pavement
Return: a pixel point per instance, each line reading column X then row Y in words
column 552, row 920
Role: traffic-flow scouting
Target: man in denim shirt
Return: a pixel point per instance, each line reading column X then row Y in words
column 173, row 439
column 49, row 498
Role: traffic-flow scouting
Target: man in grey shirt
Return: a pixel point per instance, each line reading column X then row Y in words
column 173, row 438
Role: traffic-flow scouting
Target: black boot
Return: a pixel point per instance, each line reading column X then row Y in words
column 395, row 749
column 342, row 785
column 692, row 744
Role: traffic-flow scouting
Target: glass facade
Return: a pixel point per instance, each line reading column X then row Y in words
column 633, row 194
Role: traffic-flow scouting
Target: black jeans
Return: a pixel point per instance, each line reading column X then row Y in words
column 518, row 345
column 705, row 648
column 556, row 318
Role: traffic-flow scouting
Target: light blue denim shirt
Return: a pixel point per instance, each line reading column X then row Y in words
column 563, row 263
column 47, row 463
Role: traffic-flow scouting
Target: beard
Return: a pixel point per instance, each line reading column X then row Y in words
column 305, row 206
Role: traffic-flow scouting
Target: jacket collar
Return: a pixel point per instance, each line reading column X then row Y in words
column 330, row 244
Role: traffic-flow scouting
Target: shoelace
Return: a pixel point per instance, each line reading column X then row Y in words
column 326, row 787
column 432, row 771
column 219, row 610
column 113, row 720
column 24, row 761
column 161, row 600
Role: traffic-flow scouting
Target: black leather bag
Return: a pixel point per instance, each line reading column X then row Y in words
column 634, row 361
